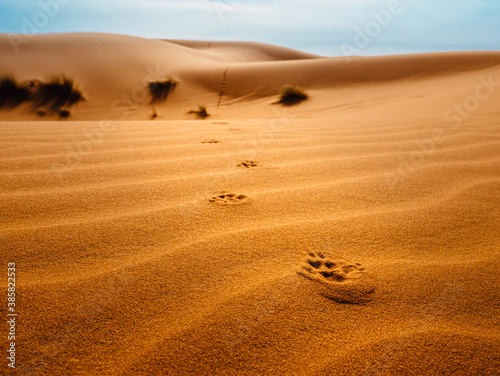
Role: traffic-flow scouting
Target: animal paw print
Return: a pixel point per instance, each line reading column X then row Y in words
column 228, row 199
column 339, row 280
column 318, row 266
column 248, row 164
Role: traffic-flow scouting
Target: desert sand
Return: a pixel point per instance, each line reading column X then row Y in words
column 355, row 233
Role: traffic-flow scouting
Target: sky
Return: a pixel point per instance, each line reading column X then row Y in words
column 323, row 27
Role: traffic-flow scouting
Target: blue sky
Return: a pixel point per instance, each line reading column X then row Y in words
column 325, row 27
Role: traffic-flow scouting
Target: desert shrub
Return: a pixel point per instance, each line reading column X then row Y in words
column 291, row 95
column 160, row 91
column 12, row 93
column 56, row 95
column 201, row 112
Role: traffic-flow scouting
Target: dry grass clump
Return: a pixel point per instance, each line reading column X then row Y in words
column 201, row 112
column 159, row 92
column 13, row 93
column 291, row 95
column 56, row 96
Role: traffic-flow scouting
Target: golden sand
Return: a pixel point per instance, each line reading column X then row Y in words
column 356, row 233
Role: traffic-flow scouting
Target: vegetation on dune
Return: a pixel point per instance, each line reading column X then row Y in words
column 201, row 112
column 159, row 92
column 12, row 93
column 56, row 96
column 291, row 95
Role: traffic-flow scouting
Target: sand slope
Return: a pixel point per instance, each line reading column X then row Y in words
column 235, row 80
column 354, row 234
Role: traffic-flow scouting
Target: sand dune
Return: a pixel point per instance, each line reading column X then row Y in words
column 356, row 233
column 236, row 80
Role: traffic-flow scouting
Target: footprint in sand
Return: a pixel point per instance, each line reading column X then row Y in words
column 228, row 199
column 248, row 164
column 338, row 279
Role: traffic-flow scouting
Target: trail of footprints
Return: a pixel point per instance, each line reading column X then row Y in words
column 338, row 279
column 335, row 278
column 232, row 198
